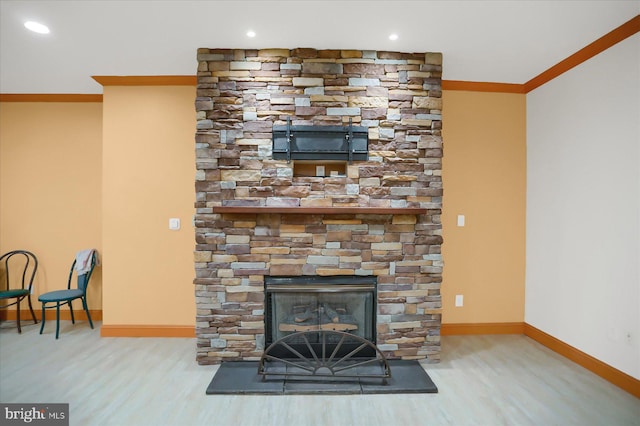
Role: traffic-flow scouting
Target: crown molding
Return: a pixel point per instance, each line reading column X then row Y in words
column 49, row 97
column 479, row 86
column 608, row 40
column 148, row 80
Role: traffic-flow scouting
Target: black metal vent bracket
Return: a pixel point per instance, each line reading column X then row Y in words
column 343, row 143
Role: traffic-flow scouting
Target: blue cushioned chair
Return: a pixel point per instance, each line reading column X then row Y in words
column 22, row 265
column 65, row 297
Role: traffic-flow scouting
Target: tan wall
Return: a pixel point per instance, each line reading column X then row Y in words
column 484, row 177
column 50, row 187
column 148, row 177
column 51, row 200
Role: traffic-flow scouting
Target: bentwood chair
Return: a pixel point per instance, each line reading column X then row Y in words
column 83, row 271
column 19, row 271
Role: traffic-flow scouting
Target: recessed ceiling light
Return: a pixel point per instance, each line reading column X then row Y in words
column 393, row 37
column 37, row 27
column 251, row 33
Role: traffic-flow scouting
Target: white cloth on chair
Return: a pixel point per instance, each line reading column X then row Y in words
column 83, row 260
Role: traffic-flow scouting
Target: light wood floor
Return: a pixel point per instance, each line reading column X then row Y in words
column 483, row 380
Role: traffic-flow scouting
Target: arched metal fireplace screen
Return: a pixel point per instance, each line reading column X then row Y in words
column 313, row 303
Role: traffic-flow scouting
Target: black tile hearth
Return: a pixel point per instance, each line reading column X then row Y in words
column 241, row 377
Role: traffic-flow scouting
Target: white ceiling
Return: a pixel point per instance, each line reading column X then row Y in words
column 497, row 41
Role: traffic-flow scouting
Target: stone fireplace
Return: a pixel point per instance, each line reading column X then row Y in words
column 262, row 217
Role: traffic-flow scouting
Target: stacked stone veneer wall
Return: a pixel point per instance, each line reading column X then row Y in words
column 241, row 94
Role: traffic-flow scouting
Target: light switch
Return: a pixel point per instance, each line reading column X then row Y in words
column 460, row 220
column 174, row 223
column 320, row 171
column 459, row 300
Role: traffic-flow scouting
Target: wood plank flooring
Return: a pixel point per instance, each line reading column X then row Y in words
column 482, row 380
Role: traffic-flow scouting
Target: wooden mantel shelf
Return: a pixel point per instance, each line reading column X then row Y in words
column 318, row 210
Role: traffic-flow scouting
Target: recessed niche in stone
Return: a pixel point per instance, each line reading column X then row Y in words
column 319, row 168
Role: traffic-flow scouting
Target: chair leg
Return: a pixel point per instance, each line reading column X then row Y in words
column 57, row 319
column 42, row 325
column 73, row 320
column 35, row 321
column 86, row 309
column 18, row 316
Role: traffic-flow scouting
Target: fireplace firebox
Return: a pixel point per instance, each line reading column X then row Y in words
column 315, row 304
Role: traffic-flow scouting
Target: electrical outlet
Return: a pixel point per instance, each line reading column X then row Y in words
column 459, row 300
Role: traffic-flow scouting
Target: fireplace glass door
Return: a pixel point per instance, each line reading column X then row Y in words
column 311, row 304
